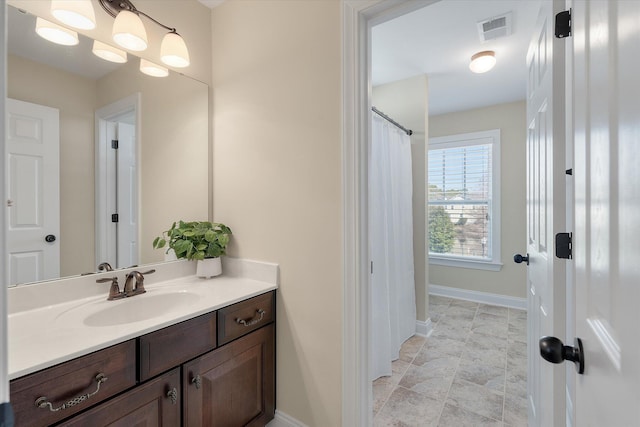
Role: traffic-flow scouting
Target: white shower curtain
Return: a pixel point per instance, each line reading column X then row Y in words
column 390, row 244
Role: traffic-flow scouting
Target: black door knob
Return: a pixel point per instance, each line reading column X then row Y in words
column 517, row 258
column 554, row 351
column 50, row 238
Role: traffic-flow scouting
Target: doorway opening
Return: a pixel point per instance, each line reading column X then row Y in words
column 117, row 172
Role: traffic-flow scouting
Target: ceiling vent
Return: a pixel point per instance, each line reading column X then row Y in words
column 494, row 28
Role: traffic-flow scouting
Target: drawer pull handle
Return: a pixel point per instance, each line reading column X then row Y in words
column 197, row 380
column 173, row 395
column 42, row 402
column 254, row 320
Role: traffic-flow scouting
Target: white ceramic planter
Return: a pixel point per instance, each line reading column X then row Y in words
column 209, row 267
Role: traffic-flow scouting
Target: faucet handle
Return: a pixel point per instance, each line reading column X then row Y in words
column 114, row 290
column 150, row 271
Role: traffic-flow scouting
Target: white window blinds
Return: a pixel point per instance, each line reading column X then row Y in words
column 461, row 198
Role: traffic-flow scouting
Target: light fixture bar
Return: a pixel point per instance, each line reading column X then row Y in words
column 113, row 7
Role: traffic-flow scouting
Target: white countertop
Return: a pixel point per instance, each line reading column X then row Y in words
column 45, row 335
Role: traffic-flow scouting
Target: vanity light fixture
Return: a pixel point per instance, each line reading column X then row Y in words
column 75, row 13
column 55, row 33
column 483, row 61
column 153, row 70
column 129, row 32
column 109, row 53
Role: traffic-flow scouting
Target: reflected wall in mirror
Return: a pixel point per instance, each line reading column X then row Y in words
column 168, row 164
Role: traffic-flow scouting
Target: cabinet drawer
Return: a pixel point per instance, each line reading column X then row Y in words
column 169, row 347
column 69, row 383
column 241, row 318
column 154, row 403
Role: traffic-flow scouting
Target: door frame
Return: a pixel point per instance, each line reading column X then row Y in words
column 102, row 117
column 358, row 17
column 4, row 375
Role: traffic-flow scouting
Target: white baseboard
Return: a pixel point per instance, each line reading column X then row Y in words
column 424, row 328
column 284, row 420
column 477, row 296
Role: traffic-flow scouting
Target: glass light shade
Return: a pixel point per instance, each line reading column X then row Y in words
column 75, row 13
column 173, row 51
column 55, row 33
column 109, row 53
column 151, row 69
column 129, row 32
column 482, row 62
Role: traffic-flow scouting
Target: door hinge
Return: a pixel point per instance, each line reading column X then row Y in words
column 114, row 144
column 114, row 218
column 371, row 267
column 563, row 24
column 564, row 245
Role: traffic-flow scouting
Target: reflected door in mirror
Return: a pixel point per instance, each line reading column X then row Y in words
column 33, row 208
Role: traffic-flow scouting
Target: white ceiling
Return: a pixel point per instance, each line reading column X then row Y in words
column 439, row 39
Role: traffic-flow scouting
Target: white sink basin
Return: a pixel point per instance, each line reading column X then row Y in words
column 129, row 310
column 138, row 308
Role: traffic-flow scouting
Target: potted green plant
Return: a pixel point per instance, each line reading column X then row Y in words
column 203, row 241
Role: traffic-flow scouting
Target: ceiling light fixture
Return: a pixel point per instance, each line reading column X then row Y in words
column 483, row 61
column 55, row 33
column 109, row 53
column 129, row 32
column 153, row 70
column 75, row 13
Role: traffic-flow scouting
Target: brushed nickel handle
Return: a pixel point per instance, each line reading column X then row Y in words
column 42, row 402
column 173, row 395
column 197, row 380
column 252, row 321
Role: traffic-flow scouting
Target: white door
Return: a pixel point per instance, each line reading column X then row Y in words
column 33, row 192
column 117, row 182
column 545, row 215
column 606, row 246
column 127, row 206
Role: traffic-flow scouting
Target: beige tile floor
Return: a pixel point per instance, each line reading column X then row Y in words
column 471, row 371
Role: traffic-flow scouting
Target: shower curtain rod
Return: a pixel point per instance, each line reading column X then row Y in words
column 389, row 119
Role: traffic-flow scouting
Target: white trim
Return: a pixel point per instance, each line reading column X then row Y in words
column 424, row 328
column 284, row 420
column 465, row 263
column 130, row 103
column 477, row 296
column 4, row 377
column 357, row 18
column 467, row 139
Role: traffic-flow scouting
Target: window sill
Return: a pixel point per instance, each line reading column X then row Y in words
column 472, row 264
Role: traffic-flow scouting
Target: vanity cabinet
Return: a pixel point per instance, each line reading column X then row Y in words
column 154, row 403
column 63, row 390
column 217, row 369
column 233, row 385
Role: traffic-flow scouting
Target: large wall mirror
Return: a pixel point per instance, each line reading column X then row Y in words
column 76, row 198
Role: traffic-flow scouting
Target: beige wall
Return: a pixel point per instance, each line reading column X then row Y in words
column 174, row 149
column 277, row 180
column 510, row 119
column 75, row 97
column 189, row 17
column 406, row 101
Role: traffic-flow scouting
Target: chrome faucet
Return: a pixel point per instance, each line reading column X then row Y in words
column 105, row 266
column 129, row 288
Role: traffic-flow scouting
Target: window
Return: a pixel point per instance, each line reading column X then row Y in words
column 463, row 181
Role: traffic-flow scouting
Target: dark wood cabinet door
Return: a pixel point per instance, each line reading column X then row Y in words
column 234, row 385
column 154, row 403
